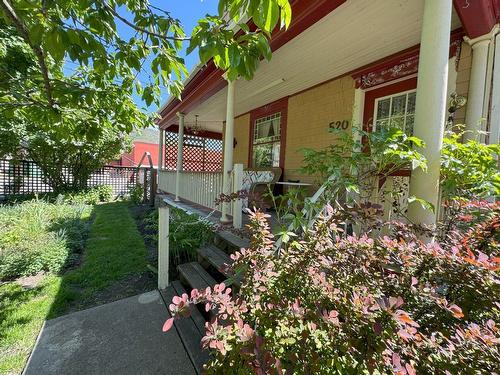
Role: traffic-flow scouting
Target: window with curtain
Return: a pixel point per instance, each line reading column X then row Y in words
column 396, row 111
column 267, row 141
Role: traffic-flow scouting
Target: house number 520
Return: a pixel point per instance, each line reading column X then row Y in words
column 339, row 125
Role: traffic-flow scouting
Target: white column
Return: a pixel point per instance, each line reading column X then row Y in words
column 495, row 97
column 238, row 203
column 161, row 149
column 180, row 145
column 357, row 123
column 163, row 246
column 477, row 86
column 431, row 105
column 228, row 150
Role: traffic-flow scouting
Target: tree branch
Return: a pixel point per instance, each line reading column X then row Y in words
column 11, row 14
column 140, row 29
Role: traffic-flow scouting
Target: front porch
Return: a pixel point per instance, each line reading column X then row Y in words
column 361, row 64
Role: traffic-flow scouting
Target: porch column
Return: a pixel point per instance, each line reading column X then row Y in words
column 431, row 106
column 495, row 97
column 180, row 145
column 228, row 150
column 474, row 117
column 161, row 143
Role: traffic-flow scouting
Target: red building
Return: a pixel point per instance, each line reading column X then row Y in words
column 132, row 158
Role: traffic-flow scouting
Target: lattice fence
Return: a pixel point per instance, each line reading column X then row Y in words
column 25, row 177
column 200, row 153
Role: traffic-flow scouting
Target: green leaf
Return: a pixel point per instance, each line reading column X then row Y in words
column 425, row 204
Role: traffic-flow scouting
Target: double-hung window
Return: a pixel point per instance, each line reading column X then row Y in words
column 396, row 111
column 267, row 141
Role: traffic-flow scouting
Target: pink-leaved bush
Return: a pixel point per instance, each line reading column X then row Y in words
column 333, row 304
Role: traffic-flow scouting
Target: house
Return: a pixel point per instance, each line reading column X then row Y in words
column 341, row 63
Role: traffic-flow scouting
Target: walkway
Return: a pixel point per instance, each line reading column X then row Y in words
column 122, row 337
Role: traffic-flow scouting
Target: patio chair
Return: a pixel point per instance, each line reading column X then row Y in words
column 258, row 191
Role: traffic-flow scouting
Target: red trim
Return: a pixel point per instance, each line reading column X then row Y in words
column 266, row 110
column 399, row 65
column 370, row 96
column 204, row 133
column 478, row 16
column 209, row 81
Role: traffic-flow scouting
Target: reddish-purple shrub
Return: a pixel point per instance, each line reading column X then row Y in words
column 328, row 304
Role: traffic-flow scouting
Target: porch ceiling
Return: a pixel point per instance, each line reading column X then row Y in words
column 357, row 33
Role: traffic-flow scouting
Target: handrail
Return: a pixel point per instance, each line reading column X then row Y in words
column 305, row 212
column 148, row 155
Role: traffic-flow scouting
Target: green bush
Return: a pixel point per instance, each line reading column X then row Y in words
column 93, row 195
column 188, row 232
column 137, row 194
column 38, row 236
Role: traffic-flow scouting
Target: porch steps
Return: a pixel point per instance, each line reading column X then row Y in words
column 212, row 256
column 207, row 272
column 230, row 242
column 195, row 276
column 190, row 330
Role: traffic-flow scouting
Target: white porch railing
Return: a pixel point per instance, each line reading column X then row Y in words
column 202, row 188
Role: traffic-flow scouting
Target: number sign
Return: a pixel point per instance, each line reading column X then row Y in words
column 339, row 125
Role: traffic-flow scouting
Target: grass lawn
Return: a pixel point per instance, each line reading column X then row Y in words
column 113, row 251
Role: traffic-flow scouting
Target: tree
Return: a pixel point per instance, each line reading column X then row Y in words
column 67, row 146
column 85, row 33
column 41, row 40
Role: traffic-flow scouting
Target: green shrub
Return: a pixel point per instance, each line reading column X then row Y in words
column 188, row 232
column 93, row 195
column 136, row 194
column 38, row 236
column 469, row 170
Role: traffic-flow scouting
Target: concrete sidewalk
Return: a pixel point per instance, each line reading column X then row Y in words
column 123, row 337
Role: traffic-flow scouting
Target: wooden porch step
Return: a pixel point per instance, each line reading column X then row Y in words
column 229, row 242
column 190, row 330
column 196, row 316
column 195, row 276
column 218, row 259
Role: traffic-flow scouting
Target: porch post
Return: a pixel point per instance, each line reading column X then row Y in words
column 474, row 117
column 431, row 106
column 180, row 145
column 161, row 143
column 495, row 97
column 228, row 150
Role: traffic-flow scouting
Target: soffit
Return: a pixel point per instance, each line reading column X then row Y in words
column 357, row 33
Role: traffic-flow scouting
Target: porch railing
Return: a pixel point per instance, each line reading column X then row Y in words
column 202, row 188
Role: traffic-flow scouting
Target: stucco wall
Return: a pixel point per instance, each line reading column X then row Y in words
column 241, row 133
column 309, row 116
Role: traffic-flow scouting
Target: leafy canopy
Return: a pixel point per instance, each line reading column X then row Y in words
column 85, row 33
column 67, row 77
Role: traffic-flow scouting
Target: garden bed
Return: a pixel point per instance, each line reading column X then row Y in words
column 101, row 258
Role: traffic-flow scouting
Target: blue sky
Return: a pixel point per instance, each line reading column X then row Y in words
column 188, row 12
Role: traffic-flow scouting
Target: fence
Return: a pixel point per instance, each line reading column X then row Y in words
column 25, row 177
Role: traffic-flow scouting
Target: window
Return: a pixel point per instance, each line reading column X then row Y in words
column 396, row 111
column 267, row 141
